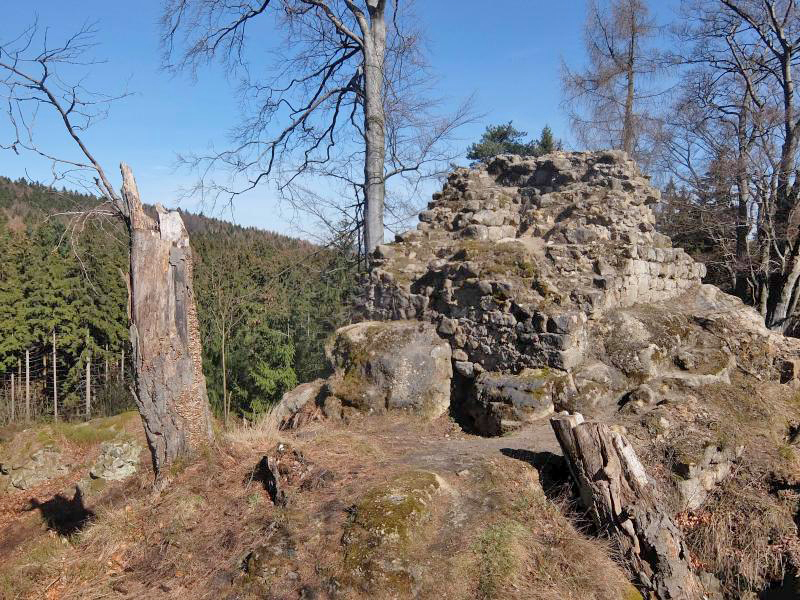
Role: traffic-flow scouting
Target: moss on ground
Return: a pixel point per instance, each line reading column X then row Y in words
column 384, row 523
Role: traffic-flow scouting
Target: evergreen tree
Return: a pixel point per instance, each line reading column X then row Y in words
column 507, row 139
column 282, row 298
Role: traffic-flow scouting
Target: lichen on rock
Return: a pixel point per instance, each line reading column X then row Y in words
column 383, row 525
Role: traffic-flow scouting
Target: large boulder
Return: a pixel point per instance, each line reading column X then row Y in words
column 118, row 460
column 40, row 466
column 399, row 365
column 501, row 403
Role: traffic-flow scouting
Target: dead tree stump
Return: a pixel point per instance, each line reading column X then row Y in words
column 623, row 501
column 167, row 357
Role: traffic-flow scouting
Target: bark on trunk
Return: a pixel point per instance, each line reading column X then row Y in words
column 623, row 501
column 225, row 407
column 787, row 291
column 170, row 385
column 789, row 148
column 630, row 74
column 374, row 127
column 743, row 191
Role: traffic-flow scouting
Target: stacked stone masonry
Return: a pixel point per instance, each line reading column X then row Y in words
column 483, row 261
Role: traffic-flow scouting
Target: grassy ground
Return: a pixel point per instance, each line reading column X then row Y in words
column 409, row 509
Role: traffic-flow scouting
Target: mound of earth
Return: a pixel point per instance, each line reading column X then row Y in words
column 555, row 292
column 387, row 506
column 425, row 466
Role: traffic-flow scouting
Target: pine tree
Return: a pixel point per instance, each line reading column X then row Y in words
column 507, row 139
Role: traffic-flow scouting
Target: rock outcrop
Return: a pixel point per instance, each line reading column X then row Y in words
column 117, row 461
column 377, row 367
column 554, row 263
column 41, row 465
column 513, row 257
column 401, row 365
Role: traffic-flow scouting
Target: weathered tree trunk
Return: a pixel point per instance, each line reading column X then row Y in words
column 374, row 126
column 623, row 501
column 224, row 381
column 628, row 140
column 743, row 191
column 170, row 385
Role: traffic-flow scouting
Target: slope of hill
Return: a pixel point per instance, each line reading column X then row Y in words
column 65, row 274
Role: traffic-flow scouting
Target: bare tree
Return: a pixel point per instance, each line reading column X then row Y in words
column 347, row 98
column 710, row 142
column 231, row 292
column 170, row 386
column 743, row 58
column 608, row 101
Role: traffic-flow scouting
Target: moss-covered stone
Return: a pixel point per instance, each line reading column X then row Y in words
column 509, row 259
column 401, row 365
column 384, row 524
column 501, row 402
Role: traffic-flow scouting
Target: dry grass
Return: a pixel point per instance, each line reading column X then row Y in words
column 531, row 550
column 741, row 533
column 491, row 534
column 500, row 549
column 263, row 433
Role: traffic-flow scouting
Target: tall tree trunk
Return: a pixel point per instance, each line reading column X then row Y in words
column 170, row 385
column 224, row 382
column 789, row 147
column 743, row 192
column 374, row 126
column 628, row 137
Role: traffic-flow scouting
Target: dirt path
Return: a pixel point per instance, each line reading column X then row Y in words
column 447, row 449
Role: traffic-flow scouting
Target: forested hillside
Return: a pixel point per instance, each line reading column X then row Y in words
column 266, row 303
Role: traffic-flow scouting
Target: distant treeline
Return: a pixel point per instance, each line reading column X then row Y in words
column 266, row 302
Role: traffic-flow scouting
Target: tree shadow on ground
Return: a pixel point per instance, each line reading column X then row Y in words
column 62, row 515
column 787, row 589
column 553, row 470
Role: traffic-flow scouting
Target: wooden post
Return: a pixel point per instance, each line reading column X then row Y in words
column 19, row 378
column 55, row 379
column 89, row 386
column 106, row 357
column 13, row 409
column 27, row 385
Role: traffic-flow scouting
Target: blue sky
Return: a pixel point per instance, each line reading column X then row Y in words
column 508, row 55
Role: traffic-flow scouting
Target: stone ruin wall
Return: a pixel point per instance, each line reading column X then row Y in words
column 512, row 257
